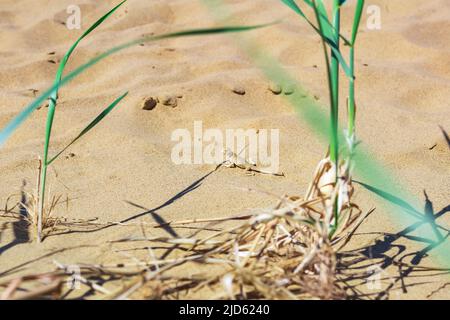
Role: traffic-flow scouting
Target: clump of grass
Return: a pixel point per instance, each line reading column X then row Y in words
column 282, row 252
column 24, row 212
column 42, row 215
column 329, row 30
column 39, row 209
column 41, row 218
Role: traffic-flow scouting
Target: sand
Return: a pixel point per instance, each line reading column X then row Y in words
column 122, row 170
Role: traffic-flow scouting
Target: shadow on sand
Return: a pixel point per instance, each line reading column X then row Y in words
column 364, row 271
column 20, row 227
column 147, row 212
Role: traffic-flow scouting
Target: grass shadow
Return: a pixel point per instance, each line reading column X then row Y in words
column 446, row 136
column 152, row 212
column 358, row 267
column 21, row 226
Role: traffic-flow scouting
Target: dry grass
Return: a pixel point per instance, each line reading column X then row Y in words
column 286, row 252
column 25, row 209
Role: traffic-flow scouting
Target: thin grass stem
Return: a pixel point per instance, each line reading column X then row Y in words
column 334, row 143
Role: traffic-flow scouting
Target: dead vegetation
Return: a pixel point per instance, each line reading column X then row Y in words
column 284, row 252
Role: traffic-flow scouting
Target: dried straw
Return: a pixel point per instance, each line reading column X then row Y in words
column 286, row 252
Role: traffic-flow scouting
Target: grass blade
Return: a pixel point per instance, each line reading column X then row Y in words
column 357, row 20
column 85, row 34
column 51, row 113
column 59, row 73
column 351, row 96
column 324, row 34
column 291, row 4
column 326, row 27
column 90, row 125
column 392, row 199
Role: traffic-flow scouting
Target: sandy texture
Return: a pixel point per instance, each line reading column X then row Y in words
column 122, row 170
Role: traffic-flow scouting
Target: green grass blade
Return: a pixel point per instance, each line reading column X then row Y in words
column 328, row 67
column 357, row 20
column 351, row 96
column 322, row 14
column 323, row 34
column 291, row 4
column 59, row 73
column 392, row 199
column 342, row 62
column 334, row 115
column 90, row 125
column 27, row 111
column 51, row 114
column 85, row 34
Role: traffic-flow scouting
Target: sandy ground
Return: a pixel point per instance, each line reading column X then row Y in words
column 122, row 170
